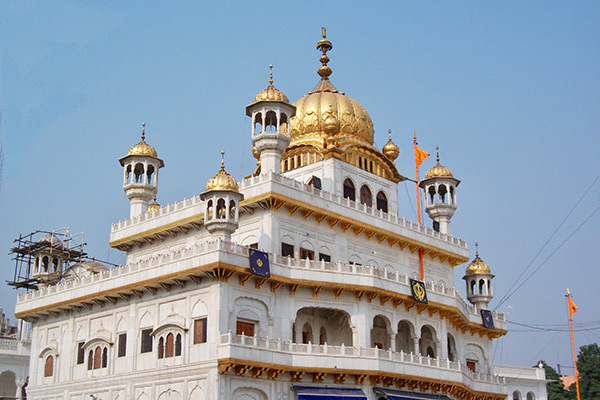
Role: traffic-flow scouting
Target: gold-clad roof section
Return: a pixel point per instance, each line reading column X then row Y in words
column 142, row 148
column 222, row 180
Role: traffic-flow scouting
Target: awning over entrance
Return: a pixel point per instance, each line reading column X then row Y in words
column 393, row 394
column 329, row 393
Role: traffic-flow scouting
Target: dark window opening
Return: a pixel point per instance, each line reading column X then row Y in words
column 305, row 253
column 472, row 365
column 349, row 190
column 287, row 250
column 365, row 196
column 161, row 347
column 382, row 203
column 122, row 348
column 49, row 366
column 146, row 341
column 200, row 331
column 90, row 360
column 178, row 345
column 170, row 345
column 105, row 357
column 253, row 246
column 80, row 353
column 324, row 257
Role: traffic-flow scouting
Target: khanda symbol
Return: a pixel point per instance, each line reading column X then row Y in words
column 419, row 291
column 259, row 263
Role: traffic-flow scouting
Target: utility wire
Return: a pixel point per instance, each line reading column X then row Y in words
column 508, row 292
column 547, row 258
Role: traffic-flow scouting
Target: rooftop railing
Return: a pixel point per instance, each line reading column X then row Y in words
column 294, row 184
column 188, row 253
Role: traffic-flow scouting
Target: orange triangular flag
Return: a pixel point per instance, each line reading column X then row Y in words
column 572, row 306
column 420, row 155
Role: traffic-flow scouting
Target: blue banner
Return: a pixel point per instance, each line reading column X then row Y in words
column 488, row 321
column 259, row 263
column 419, row 292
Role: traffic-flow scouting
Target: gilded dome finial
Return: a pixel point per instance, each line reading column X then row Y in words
column 271, row 93
column 271, row 74
column 222, row 160
column 143, row 130
column 324, row 45
column 476, row 250
column 142, row 148
column 437, row 157
column 390, row 149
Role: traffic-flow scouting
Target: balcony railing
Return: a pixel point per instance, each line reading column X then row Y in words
column 277, row 345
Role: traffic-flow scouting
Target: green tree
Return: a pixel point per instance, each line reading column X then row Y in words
column 555, row 387
column 588, row 364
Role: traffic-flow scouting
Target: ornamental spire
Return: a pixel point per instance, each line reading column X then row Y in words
column 324, row 45
column 271, row 74
column 143, row 131
column 222, row 160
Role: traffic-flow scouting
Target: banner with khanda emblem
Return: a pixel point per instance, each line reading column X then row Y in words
column 419, row 293
column 259, row 263
column 488, row 321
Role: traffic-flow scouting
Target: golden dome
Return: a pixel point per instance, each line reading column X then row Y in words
column 438, row 170
column 222, row 180
column 154, row 206
column 477, row 266
column 328, row 113
column 390, row 149
column 271, row 93
column 142, row 148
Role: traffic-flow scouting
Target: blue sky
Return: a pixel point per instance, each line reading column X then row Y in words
column 510, row 92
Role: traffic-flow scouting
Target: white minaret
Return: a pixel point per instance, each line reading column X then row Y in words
column 479, row 282
column 140, row 179
column 271, row 113
column 222, row 204
column 440, row 195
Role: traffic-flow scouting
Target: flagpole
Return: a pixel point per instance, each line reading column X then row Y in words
column 418, row 202
column 571, row 312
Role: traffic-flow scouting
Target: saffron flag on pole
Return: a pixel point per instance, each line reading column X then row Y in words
column 572, row 306
column 420, row 155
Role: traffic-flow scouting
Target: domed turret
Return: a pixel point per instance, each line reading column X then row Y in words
column 48, row 260
column 222, row 199
column 154, row 206
column 140, row 180
column 271, row 113
column 479, row 282
column 440, row 195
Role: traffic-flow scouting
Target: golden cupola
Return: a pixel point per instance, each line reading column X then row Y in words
column 222, row 180
column 438, row 170
column 480, row 289
column 142, row 148
column 328, row 123
column 477, row 266
column 271, row 93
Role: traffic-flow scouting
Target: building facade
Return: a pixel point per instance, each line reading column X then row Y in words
column 299, row 282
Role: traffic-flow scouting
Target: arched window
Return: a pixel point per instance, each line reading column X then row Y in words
column 482, row 286
column 232, row 209
column 49, row 366
column 451, row 348
column 221, row 209
column 307, row 333
column 97, row 357
column 530, row 396
column 349, row 190
column 178, row 345
column 257, row 123
column 322, row 336
column 104, row 357
column 271, row 122
column 150, row 175
column 442, row 192
column 382, row 203
column 169, row 347
column 473, row 287
column 128, row 173
column 90, row 359
column 431, row 193
column 365, row 196
column 516, row 395
column 45, row 262
column 54, row 264
column 138, row 173
column 161, row 348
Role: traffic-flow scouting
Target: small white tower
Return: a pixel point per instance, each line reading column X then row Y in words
column 271, row 113
column 222, row 204
column 440, row 195
column 140, row 180
column 48, row 260
column 479, row 282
